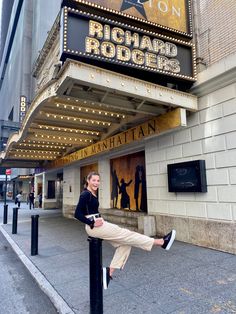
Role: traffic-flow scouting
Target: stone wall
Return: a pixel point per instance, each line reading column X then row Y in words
column 200, row 218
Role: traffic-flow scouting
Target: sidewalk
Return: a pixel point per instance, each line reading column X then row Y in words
column 186, row 280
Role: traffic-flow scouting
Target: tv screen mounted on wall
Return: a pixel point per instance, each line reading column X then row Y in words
column 187, row 176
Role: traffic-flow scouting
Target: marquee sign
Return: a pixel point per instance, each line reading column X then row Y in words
column 87, row 36
column 173, row 15
column 168, row 121
column 23, row 108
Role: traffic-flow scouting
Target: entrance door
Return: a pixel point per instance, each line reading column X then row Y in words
column 128, row 182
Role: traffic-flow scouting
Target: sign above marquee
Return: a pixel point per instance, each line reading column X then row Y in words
column 173, row 15
column 89, row 37
column 169, row 121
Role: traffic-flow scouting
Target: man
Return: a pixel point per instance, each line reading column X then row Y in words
column 19, row 198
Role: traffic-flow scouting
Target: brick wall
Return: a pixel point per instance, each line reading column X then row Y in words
column 215, row 23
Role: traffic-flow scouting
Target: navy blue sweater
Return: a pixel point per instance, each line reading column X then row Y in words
column 87, row 205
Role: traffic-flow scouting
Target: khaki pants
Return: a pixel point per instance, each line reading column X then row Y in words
column 122, row 239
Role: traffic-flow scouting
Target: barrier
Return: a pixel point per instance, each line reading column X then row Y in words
column 95, row 279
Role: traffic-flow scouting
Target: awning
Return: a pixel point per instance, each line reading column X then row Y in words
column 84, row 105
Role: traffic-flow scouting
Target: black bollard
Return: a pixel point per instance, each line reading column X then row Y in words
column 95, row 269
column 5, row 214
column 34, row 234
column 14, row 220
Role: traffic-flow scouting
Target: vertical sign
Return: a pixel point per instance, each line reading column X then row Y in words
column 23, row 108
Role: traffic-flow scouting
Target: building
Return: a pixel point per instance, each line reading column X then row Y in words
column 115, row 89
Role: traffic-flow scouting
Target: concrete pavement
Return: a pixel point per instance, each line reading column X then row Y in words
column 19, row 292
column 186, row 280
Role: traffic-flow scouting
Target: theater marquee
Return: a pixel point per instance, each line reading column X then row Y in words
column 86, row 36
column 173, row 15
column 163, row 123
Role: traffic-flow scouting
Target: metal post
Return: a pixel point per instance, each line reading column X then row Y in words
column 95, row 269
column 34, row 234
column 14, row 220
column 5, row 214
column 5, row 192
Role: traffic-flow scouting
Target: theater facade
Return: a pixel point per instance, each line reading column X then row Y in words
column 114, row 84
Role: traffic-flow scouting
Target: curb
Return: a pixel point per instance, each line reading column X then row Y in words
column 59, row 303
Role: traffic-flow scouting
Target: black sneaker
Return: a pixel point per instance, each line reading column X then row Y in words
column 106, row 277
column 168, row 240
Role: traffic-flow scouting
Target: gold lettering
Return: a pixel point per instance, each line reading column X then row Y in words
column 93, row 149
column 159, row 46
column 174, row 65
column 95, row 29
column 151, row 128
column 125, row 134
column 119, row 142
column 104, row 145
column 123, row 53
column 112, row 142
column 138, row 57
column 107, row 32
column 117, row 35
column 133, row 134
column 108, row 49
column 162, row 63
column 141, row 132
column 146, row 43
column 129, row 39
column 151, row 60
column 171, row 50
column 92, row 46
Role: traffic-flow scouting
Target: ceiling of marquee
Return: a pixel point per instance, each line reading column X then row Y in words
column 70, row 122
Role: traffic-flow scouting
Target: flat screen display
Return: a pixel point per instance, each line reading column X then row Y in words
column 187, row 176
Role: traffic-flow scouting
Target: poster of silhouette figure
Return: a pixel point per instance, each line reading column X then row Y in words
column 114, row 188
column 84, row 171
column 128, row 182
column 125, row 199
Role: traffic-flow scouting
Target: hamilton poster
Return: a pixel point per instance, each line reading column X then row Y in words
column 168, row 13
column 128, row 182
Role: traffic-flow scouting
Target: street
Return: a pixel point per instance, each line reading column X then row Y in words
column 19, row 293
